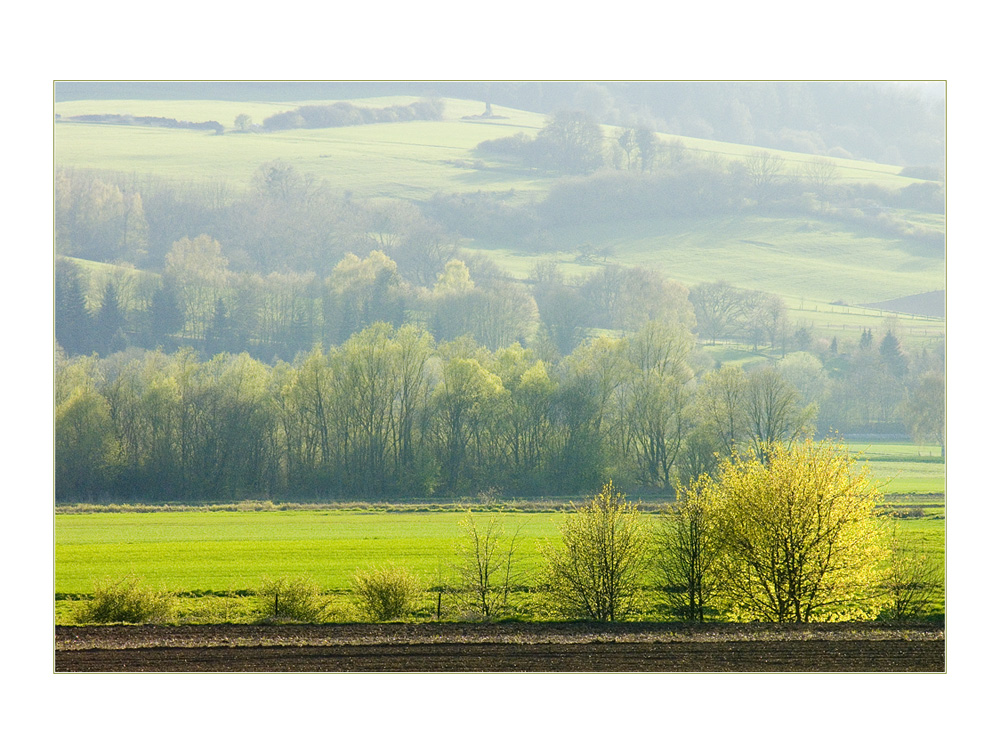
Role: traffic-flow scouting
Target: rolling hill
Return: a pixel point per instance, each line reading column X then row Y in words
column 811, row 259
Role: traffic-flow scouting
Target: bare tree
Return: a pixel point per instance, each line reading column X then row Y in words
column 763, row 172
column 773, row 411
column 819, row 175
column 486, row 565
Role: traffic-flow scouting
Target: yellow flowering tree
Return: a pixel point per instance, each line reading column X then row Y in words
column 799, row 536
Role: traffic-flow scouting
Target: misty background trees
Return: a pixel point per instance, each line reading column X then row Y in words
column 289, row 339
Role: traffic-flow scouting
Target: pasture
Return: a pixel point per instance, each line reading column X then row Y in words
column 217, row 558
column 223, row 551
column 904, row 468
column 371, row 155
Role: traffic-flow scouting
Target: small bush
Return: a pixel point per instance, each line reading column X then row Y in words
column 126, row 600
column 385, row 593
column 291, row 599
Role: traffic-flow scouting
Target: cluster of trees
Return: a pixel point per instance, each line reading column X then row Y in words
column 636, row 175
column 339, row 114
column 548, row 409
column 290, row 222
column 865, row 120
column 148, row 120
column 198, row 301
column 792, row 535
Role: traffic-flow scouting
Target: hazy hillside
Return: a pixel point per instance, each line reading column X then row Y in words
column 898, row 122
column 859, row 232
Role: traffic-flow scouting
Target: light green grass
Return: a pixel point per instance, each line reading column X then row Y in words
column 904, row 468
column 406, row 160
column 230, row 551
column 805, row 260
column 202, row 551
column 409, row 160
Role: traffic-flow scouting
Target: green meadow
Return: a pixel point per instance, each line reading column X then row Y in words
column 212, row 557
column 904, row 468
column 224, row 551
column 371, row 154
column 215, row 554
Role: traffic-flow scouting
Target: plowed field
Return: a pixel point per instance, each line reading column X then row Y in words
column 502, row 648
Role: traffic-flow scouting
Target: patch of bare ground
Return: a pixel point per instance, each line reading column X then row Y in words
column 501, row 648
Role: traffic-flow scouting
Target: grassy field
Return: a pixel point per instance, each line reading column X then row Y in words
column 424, row 146
column 218, row 557
column 905, row 468
column 409, row 160
column 214, row 557
column 231, row 551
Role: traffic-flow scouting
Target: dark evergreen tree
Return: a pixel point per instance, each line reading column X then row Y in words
column 165, row 316
column 219, row 335
column 892, row 355
column 110, row 324
column 72, row 323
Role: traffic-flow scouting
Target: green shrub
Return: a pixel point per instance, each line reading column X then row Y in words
column 126, row 600
column 385, row 593
column 291, row 599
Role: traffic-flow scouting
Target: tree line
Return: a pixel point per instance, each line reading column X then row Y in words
column 395, row 412
column 339, row 114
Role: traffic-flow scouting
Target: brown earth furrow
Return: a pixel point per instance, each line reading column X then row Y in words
column 885, row 655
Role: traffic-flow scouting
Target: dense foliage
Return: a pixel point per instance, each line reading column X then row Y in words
column 790, row 537
column 597, row 570
column 340, row 114
column 394, row 412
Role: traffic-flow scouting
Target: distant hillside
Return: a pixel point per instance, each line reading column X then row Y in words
column 931, row 304
column 893, row 122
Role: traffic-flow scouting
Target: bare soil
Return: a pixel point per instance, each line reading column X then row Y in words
column 501, row 648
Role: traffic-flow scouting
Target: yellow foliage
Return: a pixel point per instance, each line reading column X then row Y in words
column 799, row 535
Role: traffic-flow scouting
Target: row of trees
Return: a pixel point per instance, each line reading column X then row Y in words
column 793, row 535
column 393, row 412
column 339, row 114
column 199, row 302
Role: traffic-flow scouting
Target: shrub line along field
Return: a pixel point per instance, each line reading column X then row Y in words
column 217, row 559
column 225, row 549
